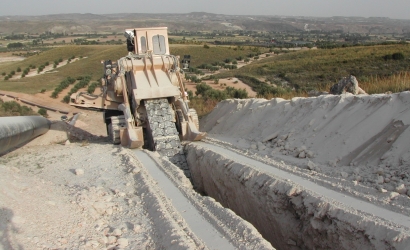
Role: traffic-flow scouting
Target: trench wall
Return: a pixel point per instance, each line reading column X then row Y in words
column 284, row 213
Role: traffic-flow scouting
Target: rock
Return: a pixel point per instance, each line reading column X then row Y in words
column 103, row 240
column 283, row 137
column 311, row 165
column 122, row 242
column 347, row 84
column 117, row 232
column 270, row 137
column 380, row 171
column 379, row 179
column 108, row 211
column 67, row 142
column 302, row 155
column 92, row 243
column 111, row 239
column 309, row 154
column 137, row 228
column 401, row 189
column 261, row 146
column 344, row 174
column 393, row 195
column 302, row 148
column 381, row 189
column 358, row 178
column 253, row 146
column 79, row 171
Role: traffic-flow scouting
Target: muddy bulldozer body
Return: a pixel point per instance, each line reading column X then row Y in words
column 143, row 98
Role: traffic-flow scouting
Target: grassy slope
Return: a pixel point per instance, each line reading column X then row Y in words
column 200, row 55
column 305, row 69
column 88, row 65
column 322, row 68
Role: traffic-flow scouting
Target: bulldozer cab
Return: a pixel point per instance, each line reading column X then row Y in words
column 149, row 40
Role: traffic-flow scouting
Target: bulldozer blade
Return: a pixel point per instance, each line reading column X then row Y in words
column 132, row 138
column 194, row 134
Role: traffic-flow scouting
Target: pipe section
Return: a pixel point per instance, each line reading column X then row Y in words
column 16, row 130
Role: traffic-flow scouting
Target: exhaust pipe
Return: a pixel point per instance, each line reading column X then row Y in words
column 17, row 130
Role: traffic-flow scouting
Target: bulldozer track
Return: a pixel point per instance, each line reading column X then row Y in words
column 117, row 122
column 165, row 136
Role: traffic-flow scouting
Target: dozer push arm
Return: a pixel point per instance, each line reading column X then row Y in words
column 132, row 137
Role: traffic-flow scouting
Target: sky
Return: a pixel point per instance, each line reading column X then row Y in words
column 396, row 9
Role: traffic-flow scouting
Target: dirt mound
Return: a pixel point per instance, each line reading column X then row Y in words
column 361, row 139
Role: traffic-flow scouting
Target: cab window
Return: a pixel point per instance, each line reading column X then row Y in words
column 143, row 44
column 158, row 42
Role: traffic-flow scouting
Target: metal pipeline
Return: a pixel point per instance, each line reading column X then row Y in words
column 17, row 130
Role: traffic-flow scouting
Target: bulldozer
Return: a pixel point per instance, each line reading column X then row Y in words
column 143, row 98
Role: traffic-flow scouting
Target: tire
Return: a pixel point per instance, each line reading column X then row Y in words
column 117, row 122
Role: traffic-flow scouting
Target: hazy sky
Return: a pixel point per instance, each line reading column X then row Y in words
column 325, row 8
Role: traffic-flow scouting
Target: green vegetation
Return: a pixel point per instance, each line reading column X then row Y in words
column 92, row 87
column 15, row 45
column 63, row 85
column 214, row 54
column 207, row 92
column 12, row 108
column 319, row 69
column 43, row 112
column 89, row 64
column 83, row 82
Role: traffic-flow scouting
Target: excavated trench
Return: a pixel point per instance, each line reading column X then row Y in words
column 290, row 211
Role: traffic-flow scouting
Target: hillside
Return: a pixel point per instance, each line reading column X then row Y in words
column 197, row 21
column 320, row 69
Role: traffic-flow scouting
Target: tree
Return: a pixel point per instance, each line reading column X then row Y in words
column 14, row 45
column 43, row 112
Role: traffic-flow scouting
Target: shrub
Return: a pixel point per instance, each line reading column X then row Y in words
column 43, row 90
column 92, row 87
column 12, row 108
column 54, row 94
column 43, row 112
column 3, row 74
column 206, row 46
column 6, row 78
column 18, row 69
column 66, row 99
column 398, row 56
